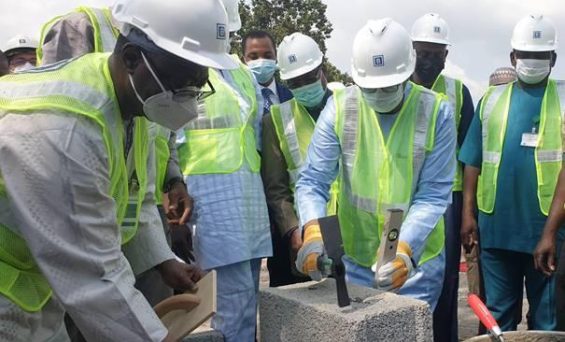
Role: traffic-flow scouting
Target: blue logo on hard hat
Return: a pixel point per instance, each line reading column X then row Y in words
column 437, row 29
column 221, row 31
column 292, row 59
column 379, row 61
column 537, row 34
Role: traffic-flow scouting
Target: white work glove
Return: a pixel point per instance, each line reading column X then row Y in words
column 393, row 274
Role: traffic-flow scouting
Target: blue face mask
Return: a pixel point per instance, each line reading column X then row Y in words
column 310, row 95
column 263, row 69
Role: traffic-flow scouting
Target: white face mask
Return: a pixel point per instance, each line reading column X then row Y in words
column 168, row 109
column 24, row 67
column 384, row 100
column 532, row 71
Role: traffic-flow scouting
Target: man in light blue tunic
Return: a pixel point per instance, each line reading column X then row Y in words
column 382, row 64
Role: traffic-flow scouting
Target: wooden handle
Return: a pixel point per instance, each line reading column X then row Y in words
column 185, row 302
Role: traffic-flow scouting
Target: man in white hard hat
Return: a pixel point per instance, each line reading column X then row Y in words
column 86, row 30
column 513, row 155
column 394, row 142
column 218, row 153
column 71, row 136
column 20, row 51
column 430, row 36
column 286, row 135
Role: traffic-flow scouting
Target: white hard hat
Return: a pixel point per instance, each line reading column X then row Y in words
column 431, row 28
column 20, row 42
column 534, row 33
column 382, row 54
column 194, row 30
column 234, row 20
column 297, row 55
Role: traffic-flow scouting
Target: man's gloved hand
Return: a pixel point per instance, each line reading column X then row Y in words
column 392, row 275
column 312, row 248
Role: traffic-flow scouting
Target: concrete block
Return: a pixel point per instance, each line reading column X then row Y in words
column 205, row 336
column 309, row 312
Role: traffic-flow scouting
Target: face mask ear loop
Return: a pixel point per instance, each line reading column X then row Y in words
column 135, row 90
column 153, row 72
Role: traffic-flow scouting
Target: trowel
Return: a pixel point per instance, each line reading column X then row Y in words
column 331, row 235
column 484, row 315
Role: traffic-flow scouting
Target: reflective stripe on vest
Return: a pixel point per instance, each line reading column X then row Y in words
column 548, row 153
column 377, row 175
column 294, row 127
column 453, row 89
column 222, row 136
column 104, row 33
column 78, row 87
column 293, row 140
column 161, row 136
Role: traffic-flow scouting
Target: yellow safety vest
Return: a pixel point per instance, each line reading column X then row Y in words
column 78, row 87
column 453, row 89
column 105, row 33
column 548, row 152
column 378, row 174
column 222, row 136
column 294, row 128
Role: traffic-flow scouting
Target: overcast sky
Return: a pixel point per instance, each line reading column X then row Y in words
column 480, row 29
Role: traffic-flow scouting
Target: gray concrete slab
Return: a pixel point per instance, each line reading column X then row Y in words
column 309, row 312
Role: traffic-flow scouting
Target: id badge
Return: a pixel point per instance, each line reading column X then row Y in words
column 529, row 140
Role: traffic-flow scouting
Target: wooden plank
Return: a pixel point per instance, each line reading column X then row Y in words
column 181, row 322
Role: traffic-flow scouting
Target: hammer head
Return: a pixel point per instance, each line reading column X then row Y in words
column 331, row 235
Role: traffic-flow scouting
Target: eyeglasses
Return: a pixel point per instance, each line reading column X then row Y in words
column 180, row 94
column 16, row 61
column 303, row 80
column 186, row 93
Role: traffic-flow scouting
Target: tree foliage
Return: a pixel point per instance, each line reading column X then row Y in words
column 283, row 17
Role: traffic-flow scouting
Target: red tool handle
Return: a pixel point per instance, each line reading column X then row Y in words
column 482, row 312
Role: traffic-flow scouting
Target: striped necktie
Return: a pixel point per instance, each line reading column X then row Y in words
column 267, row 102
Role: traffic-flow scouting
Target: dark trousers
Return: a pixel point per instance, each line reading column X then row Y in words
column 560, row 291
column 445, row 314
column 281, row 266
column 504, row 272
